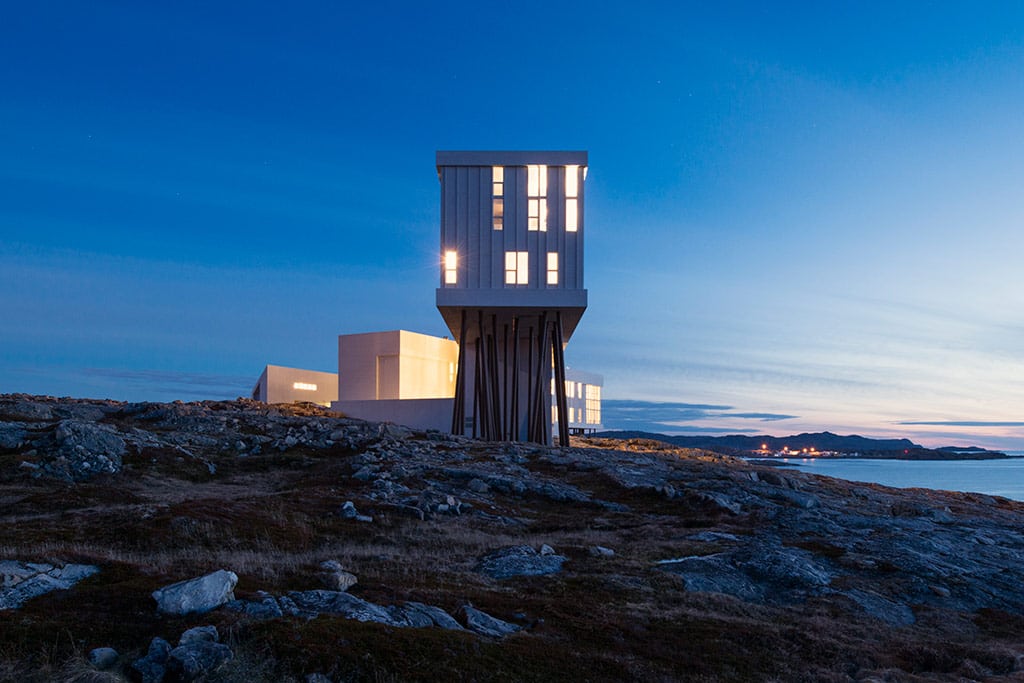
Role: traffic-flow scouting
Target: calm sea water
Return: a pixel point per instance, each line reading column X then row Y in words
column 1004, row 477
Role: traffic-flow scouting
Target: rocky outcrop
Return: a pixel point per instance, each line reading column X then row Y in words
column 519, row 560
column 197, row 595
column 22, row 581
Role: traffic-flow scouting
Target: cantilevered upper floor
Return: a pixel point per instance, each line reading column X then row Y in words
column 512, row 231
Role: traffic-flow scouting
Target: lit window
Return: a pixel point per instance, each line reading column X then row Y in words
column 572, row 198
column 303, row 386
column 450, row 267
column 517, row 267
column 593, row 404
column 498, row 197
column 552, row 267
column 536, row 198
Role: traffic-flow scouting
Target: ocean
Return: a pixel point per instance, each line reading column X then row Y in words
column 1003, row 477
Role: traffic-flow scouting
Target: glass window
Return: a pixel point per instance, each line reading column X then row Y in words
column 572, row 188
column 536, row 195
column 498, row 197
column 552, row 267
column 517, row 267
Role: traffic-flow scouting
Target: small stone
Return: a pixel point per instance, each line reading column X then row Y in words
column 103, row 658
column 146, row 670
column 317, row 678
column 601, row 551
column 547, row 550
column 364, row 518
column 348, row 510
column 158, row 650
column 478, row 486
column 334, row 578
column 199, row 633
column 941, row 591
column 197, row 659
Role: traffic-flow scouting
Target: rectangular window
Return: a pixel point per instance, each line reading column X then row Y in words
column 303, row 386
column 537, row 198
column 552, row 267
column 450, row 267
column 498, row 197
column 593, row 404
column 572, row 198
column 517, row 268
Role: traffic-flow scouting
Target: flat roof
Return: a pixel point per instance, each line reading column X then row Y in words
column 511, row 158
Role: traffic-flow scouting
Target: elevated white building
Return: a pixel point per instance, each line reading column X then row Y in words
column 511, row 285
column 511, row 292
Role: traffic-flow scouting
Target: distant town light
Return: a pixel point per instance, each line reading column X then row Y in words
column 304, row 386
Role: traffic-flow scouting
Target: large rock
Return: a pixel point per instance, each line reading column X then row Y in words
column 519, row 560
column 418, row 615
column 342, row 604
column 197, row 595
column 22, row 581
column 82, row 450
column 485, row 624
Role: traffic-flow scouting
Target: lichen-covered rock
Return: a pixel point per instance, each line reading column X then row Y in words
column 201, row 594
column 519, row 560
column 22, row 581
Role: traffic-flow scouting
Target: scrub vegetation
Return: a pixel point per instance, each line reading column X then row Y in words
column 438, row 504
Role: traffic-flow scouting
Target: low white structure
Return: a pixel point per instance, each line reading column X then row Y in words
column 278, row 384
column 397, row 364
column 583, row 400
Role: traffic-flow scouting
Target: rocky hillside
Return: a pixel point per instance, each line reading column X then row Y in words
column 234, row 541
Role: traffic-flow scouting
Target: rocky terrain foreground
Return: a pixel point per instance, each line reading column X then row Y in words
column 234, row 541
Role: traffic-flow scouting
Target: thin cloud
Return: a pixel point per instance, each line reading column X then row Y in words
column 671, row 417
column 962, row 423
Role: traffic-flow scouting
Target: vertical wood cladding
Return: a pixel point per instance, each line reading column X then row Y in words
column 467, row 222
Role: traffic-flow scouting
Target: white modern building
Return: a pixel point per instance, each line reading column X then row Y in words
column 511, row 292
column 278, row 384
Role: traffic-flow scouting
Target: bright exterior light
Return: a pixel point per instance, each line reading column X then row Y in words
column 450, row 265
column 303, row 386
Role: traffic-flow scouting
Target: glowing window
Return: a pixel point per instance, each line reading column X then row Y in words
column 450, row 267
column 498, row 197
column 572, row 188
column 517, row 268
column 552, row 267
column 593, row 404
column 303, row 386
column 536, row 198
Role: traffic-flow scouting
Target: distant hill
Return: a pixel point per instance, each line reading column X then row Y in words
column 742, row 444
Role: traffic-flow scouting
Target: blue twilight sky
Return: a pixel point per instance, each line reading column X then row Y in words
column 800, row 215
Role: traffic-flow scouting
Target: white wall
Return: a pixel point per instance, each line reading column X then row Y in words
column 279, row 384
